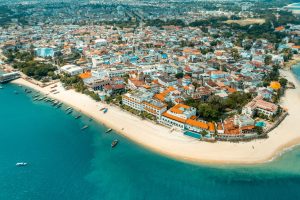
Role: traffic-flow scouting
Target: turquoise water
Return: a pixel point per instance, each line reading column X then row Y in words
column 67, row 163
column 192, row 134
column 260, row 124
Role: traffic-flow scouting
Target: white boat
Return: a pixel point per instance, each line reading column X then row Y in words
column 108, row 130
column 21, row 164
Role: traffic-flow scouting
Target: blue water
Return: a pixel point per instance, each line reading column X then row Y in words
column 192, row 134
column 260, row 124
column 67, row 163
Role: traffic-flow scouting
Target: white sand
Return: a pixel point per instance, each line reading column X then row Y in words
column 176, row 145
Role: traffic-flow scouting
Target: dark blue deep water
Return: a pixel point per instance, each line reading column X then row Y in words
column 67, row 163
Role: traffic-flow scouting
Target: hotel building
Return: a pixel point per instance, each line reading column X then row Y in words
column 259, row 106
column 184, row 117
column 143, row 101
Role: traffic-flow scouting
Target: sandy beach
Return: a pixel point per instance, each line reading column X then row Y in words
column 174, row 144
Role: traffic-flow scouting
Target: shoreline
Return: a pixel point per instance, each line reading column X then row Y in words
column 175, row 145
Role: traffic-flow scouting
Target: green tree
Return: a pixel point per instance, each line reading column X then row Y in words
column 268, row 59
column 179, row 75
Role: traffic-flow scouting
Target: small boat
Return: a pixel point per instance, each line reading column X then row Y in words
column 84, row 127
column 21, row 164
column 1, row 87
column 59, row 105
column 70, row 111
column 36, row 96
column 68, row 108
column 102, row 109
column 114, row 143
column 77, row 117
column 108, row 130
column 105, row 110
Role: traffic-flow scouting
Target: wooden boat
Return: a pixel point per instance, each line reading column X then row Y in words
column 114, row 143
column 68, row 108
column 108, row 130
column 84, row 127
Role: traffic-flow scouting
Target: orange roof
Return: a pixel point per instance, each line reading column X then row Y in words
column 155, row 81
column 193, row 117
column 211, row 126
column 147, row 86
column 160, row 97
column 179, row 108
column 186, row 87
column 231, row 90
column 198, row 124
column 296, row 47
column 275, row 85
column 280, row 28
column 85, row 75
column 173, row 117
column 171, row 88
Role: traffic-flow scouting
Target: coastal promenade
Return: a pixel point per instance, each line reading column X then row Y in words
column 178, row 146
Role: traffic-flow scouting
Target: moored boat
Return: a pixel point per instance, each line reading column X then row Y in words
column 105, row 110
column 21, row 164
column 59, row 105
column 108, row 130
column 68, row 108
column 114, row 143
column 77, row 117
column 84, row 127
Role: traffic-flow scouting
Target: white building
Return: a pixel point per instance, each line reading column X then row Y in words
column 177, row 116
column 135, row 100
column 71, row 70
column 100, row 42
column 259, row 106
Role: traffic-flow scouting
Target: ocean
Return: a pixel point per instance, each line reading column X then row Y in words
column 68, row 163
